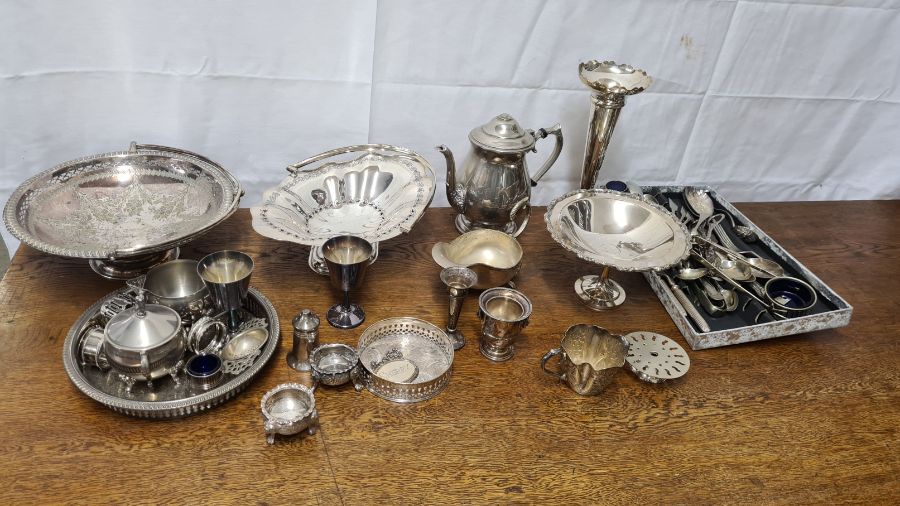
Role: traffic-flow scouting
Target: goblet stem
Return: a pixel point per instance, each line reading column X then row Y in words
column 347, row 300
column 457, row 296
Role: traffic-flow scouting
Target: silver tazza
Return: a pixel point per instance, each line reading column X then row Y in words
column 495, row 190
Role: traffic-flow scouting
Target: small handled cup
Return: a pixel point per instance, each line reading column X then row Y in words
column 504, row 312
column 589, row 358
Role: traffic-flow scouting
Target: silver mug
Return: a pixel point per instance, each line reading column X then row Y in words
column 589, row 358
column 504, row 313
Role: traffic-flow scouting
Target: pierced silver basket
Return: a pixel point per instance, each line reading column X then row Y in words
column 126, row 211
column 404, row 360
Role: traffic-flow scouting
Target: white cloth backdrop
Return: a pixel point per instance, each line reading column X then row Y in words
column 764, row 100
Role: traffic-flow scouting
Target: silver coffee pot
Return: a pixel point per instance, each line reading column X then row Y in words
column 495, row 191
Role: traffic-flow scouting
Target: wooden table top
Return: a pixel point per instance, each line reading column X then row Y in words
column 810, row 418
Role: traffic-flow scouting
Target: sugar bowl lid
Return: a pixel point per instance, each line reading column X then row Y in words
column 503, row 134
column 143, row 327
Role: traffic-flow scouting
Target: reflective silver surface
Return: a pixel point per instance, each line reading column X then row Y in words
column 494, row 256
column 458, row 281
column 609, row 83
column 655, row 358
column 378, row 193
column 404, row 360
column 288, row 409
column 832, row 311
column 333, row 364
column 227, row 276
column 177, row 285
column 122, row 205
column 589, row 358
column 245, row 343
column 204, row 372
column 504, row 313
column 91, row 348
column 348, row 258
column 166, row 399
column 494, row 190
column 617, row 230
column 306, row 338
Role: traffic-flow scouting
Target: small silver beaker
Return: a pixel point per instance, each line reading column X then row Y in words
column 504, row 313
column 227, row 275
column 589, row 358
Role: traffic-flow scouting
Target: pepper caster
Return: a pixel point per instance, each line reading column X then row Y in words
column 306, row 338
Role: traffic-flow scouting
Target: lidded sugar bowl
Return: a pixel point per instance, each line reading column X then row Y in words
column 144, row 342
column 495, row 190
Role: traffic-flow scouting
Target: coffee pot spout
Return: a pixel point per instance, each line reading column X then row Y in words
column 455, row 195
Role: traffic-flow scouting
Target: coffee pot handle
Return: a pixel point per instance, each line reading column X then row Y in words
column 550, row 354
column 542, row 133
column 522, row 207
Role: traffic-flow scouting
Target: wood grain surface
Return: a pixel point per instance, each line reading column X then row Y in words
column 803, row 419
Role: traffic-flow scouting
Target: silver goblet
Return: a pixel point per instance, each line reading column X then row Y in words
column 458, row 281
column 348, row 257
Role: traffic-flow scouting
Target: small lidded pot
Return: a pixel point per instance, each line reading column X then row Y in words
column 144, row 342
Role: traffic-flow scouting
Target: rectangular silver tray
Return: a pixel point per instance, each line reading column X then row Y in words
column 831, row 312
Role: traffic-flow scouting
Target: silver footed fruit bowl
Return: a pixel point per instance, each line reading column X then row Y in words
column 617, row 230
column 373, row 191
column 126, row 211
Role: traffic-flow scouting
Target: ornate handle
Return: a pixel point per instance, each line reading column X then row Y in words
column 556, row 131
column 550, row 354
column 522, row 205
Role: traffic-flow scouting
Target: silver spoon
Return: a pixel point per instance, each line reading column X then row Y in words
column 743, row 231
column 700, row 203
column 688, row 273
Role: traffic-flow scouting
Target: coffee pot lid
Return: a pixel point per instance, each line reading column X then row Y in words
column 503, row 134
column 143, row 327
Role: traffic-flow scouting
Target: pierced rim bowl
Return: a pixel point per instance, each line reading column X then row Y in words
column 122, row 204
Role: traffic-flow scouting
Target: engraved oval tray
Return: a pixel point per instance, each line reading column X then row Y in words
column 405, row 359
column 123, row 204
column 166, row 400
column 378, row 193
column 618, row 230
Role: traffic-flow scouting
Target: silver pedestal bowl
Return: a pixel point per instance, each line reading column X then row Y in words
column 126, row 211
column 372, row 191
column 617, row 230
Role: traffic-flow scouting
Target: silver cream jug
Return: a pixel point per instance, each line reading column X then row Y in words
column 495, row 190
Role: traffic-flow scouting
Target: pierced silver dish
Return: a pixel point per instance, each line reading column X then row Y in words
column 126, row 211
column 404, row 360
column 618, row 230
column 373, row 191
column 167, row 399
